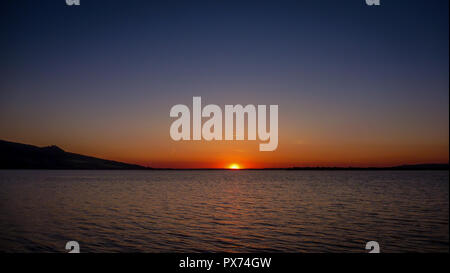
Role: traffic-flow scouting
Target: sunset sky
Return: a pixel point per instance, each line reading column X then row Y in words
column 356, row 85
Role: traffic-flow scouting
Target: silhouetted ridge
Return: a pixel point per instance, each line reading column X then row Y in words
column 413, row 167
column 53, row 149
column 22, row 156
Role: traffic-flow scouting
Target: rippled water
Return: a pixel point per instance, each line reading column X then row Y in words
column 231, row 211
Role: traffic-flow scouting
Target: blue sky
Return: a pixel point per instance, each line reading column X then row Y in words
column 344, row 74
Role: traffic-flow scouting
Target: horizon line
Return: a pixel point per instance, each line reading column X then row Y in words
column 403, row 166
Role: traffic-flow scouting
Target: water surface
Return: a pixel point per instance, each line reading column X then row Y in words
column 231, row 211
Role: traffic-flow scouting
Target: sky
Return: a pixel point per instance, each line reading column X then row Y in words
column 356, row 85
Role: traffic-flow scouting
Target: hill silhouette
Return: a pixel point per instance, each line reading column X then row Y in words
column 22, row 156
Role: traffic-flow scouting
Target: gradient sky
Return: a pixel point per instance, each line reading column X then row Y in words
column 355, row 85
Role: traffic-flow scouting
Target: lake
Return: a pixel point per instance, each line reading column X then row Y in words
column 224, row 211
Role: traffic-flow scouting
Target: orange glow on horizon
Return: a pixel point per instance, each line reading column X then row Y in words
column 234, row 166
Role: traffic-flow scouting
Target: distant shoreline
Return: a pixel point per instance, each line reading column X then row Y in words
column 430, row 167
column 18, row 156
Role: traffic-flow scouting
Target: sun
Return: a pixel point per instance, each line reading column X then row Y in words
column 234, row 166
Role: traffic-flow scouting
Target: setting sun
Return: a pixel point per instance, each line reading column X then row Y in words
column 234, row 166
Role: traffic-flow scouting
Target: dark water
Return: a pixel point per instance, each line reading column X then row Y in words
column 232, row 211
